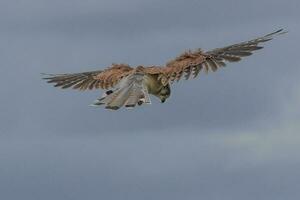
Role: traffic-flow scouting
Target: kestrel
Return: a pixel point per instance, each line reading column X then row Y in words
column 127, row 86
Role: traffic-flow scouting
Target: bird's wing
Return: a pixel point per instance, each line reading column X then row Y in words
column 103, row 79
column 192, row 62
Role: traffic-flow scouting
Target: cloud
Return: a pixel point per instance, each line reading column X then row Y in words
column 259, row 164
column 232, row 134
column 229, row 98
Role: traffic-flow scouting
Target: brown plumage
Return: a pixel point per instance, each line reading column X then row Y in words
column 130, row 86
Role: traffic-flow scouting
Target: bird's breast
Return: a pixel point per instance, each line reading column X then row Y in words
column 153, row 84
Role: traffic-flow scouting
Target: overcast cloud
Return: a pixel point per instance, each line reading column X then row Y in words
column 233, row 134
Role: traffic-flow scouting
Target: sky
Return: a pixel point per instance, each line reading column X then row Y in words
column 232, row 134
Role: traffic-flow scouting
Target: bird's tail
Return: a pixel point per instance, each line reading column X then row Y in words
column 130, row 93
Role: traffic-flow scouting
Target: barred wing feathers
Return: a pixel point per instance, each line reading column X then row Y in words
column 192, row 62
column 103, row 79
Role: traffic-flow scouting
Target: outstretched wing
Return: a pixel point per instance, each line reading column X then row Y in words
column 104, row 79
column 192, row 62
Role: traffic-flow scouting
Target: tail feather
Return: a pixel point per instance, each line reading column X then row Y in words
column 137, row 95
column 130, row 93
column 133, row 98
column 118, row 98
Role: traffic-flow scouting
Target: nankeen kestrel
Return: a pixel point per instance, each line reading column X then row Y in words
column 128, row 86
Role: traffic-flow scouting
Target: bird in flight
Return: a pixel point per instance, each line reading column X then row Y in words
column 128, row 86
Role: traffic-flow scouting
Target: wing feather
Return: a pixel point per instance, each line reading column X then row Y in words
column 234, row 53
column 104, row 79
column 195, row 61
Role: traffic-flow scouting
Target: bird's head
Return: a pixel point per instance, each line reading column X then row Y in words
column 164, row 93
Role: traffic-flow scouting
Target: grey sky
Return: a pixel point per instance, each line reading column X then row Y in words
column 233, row 134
